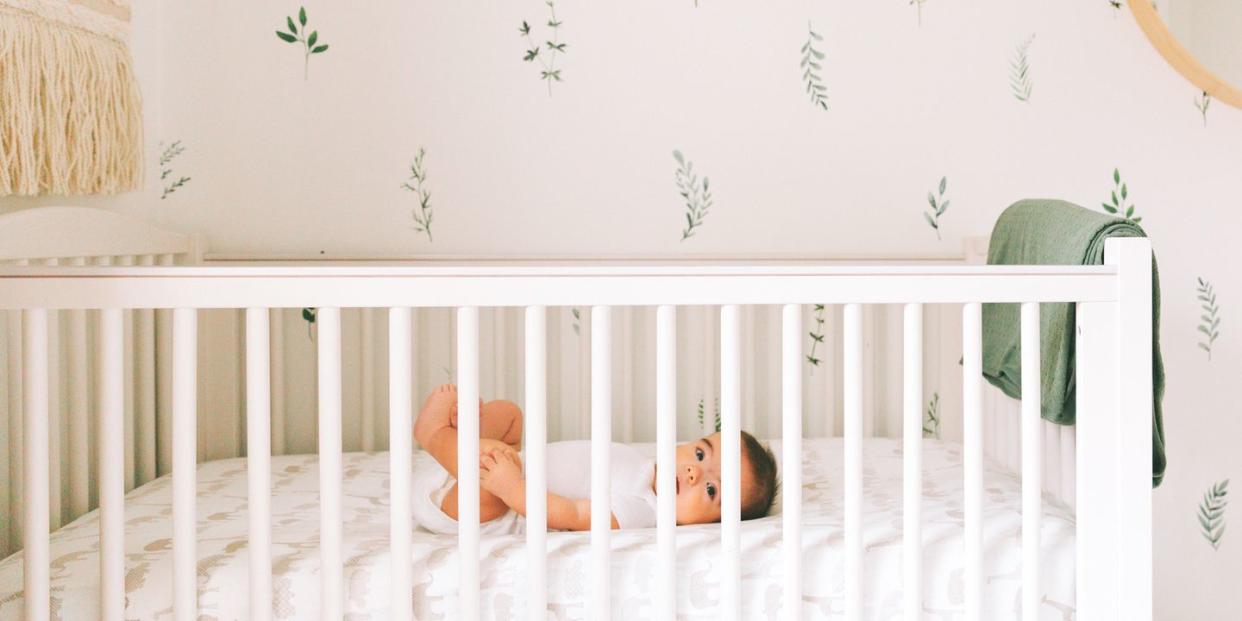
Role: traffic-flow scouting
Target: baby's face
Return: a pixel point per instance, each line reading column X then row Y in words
column 698, row 480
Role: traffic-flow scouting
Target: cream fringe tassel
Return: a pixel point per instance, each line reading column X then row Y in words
column 70, row 110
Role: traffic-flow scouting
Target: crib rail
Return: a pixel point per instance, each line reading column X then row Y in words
column 1114, row 450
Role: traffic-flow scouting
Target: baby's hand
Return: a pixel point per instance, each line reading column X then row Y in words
column 500, row 472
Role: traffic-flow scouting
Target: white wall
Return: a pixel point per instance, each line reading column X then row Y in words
column 283, row 165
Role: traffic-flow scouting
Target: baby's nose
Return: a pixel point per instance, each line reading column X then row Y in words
column 692, row 473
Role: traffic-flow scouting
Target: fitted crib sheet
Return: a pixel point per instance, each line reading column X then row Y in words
column 222, row 555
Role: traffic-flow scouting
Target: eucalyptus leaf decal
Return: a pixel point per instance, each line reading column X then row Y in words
column 811, row 65
column 417, row 183
column 817, row 336
column 938, row 205
column 1020, row 71
column 1212, row 513
column 577, row 320
column 166, row 159
column 545, row 54
column 931, row 418
column 1209, row 321
column 309, row 315
column 310, row 43
column 1201, row 103
column 1120, row 196
column 701, row 415
column 697, row 196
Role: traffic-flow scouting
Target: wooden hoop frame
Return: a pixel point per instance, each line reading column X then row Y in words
column 1179, row 57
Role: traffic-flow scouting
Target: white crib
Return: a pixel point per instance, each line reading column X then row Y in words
column 147, row 334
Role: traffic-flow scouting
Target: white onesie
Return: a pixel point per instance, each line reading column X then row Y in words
column 569, row 475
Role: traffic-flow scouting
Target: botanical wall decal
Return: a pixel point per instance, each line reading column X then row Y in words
column 931, row 418
column 166, row 158
column 310, row 43
column 1020, row 83
column 577, row 320
column 701, row 414
column 918, row 5
column 1201, row 104
column 817, row 336
column 309, row 315
column 939, row 205
column 811, row 67
column 1120, row 196
column 1212, row 513
column 417, row 183
column 1209, row 321
column 554, row 46
column 697, row 196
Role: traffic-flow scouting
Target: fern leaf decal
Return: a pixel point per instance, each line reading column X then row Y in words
column 1020, row 71
column 697, row 196
column 1201, row 103
column 1209, row 321
column 166, row 159
column 417, row 183
column 550, row 48
column 817, row 336
column 931, row 419
column 310, row 43
column 811, row 66
column 938, row 204
column 1120, row 195
column 1212, row 513
column 717, row 413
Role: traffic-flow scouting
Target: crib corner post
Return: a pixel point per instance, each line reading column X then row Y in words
column 1114, row 441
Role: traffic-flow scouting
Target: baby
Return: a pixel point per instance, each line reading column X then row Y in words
column 502, row 494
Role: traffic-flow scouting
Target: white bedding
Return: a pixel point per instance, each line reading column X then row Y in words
column 223, row 569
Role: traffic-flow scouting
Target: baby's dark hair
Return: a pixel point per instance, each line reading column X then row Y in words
column 763, row 467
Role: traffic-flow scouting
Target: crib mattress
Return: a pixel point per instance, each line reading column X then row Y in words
column 223, row 577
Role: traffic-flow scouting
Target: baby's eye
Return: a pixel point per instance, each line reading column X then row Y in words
column 698, row 452
column 711, row 491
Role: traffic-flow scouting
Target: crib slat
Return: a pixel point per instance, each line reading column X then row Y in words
column 37, row 571
column 127, row 366
column 536, row 463
column 853, row 462
column 791, row 440
column 972, row 458
column 400, row 460
column 276, row 320
column 1031, row 455
column 259, row 460
column 184, row 457
column 666, row 460
column 912, row 463
column 367, row 352
column 55, row 419
column 331, row 569
column 601, row 445
column 468, row 461
column 163, row 388
column 731, row 460
column 111, row 467
column 80, row 410
column 144, row 390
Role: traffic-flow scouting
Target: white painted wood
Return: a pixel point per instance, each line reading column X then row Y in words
column 1032, row 485
column 58, row 232
column 972, row 456
column 276, row 319
column 366, row 350
column 36, row 545
column 666, row 461
column 111, row 469
column 164, row 382
column 79, row 409
column 853, row 358
column 912, row 463
column 401, row 461
column 536, row 435
column 184, row 458
column 791, row 444
column 731, row 461
column 331, row 570
column 144, row 389
column 601, row 442
column 468, row 461
column 55, row 420
column 259, row 460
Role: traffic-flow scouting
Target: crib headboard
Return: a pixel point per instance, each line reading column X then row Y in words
column 79, row 236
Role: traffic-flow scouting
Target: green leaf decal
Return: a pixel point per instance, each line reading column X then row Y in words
column 939, row 204
column 292, row 27
column 1209, row 321
column 1120, row 195
column 931, row 418
column 417, row 183
column 697, row 197
column 309, row 46
column 701, row 413
column 549, row 72
column 319, row 49
column 817, row 336
column 284, row 36
column 310, row 315
column 314, row 36
column 1212, row 513
column 1202, row 103
column 302, row 15
column 166, row 170
column 1020, row 83
column 810, row 75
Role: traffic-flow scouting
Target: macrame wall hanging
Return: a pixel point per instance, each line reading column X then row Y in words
column 70, row 110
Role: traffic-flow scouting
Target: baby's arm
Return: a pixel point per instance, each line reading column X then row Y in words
column 502, row 476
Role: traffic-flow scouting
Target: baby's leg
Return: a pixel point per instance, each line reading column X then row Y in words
column 435, row 431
